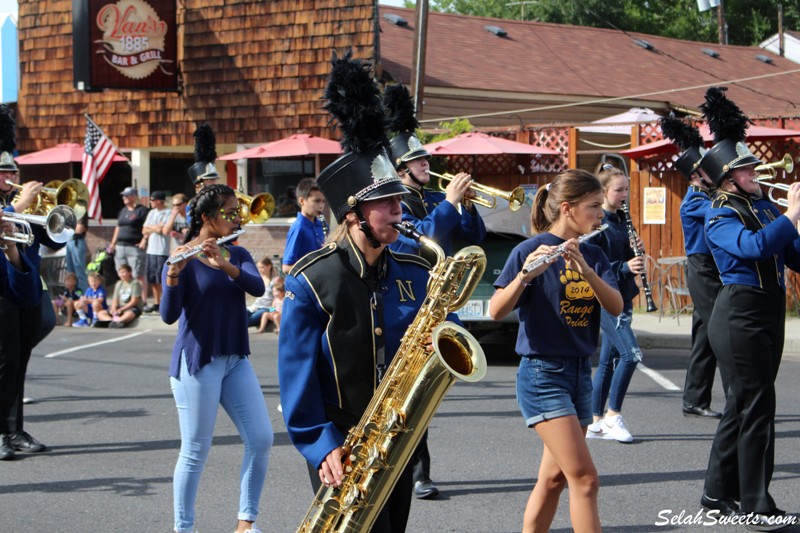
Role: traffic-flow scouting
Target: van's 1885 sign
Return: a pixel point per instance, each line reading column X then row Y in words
column 125, row 44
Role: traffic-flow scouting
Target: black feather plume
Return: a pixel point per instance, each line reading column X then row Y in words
column 354, row 101
column 8, row 130
column 205, row 144
column 682, row 135
column 400, row 108
column 724, row 118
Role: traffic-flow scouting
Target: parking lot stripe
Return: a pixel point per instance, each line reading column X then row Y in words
column 92, row 345
column 658, row 378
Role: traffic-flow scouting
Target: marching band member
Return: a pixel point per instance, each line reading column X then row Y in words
column 19, row 281
column 702, row 276
column 24, row 324
column 559, row 304
column 210, row 363
column 349, row 303
column 619, row 348
column 440, row 216
column 751, row 243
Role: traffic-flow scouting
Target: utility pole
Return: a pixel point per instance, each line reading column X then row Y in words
column 721, row 23
column 418, row 65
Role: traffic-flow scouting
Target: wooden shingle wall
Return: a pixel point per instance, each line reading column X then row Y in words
column 254, row 69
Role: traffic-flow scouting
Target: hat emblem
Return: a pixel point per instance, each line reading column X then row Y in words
column 742, row 150
column 414, row 144
column 382, row 168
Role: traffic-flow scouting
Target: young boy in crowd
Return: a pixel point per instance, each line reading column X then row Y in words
column 307, row 232
column 92, row 302
column 67, row 298
column 126, row 304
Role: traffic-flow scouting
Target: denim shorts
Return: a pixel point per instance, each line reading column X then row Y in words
column 552, row 387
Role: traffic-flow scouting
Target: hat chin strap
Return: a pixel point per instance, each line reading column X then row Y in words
column 738, row 187
column 412, row 176
column 362, row 224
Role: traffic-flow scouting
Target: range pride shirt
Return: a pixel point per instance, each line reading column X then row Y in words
column 558, row 313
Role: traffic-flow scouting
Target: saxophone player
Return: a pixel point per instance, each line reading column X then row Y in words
column 349, row 303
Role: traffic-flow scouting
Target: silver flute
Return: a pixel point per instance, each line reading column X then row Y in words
column 194, row 250
column 561, row 250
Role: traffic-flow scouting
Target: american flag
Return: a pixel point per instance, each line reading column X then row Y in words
column 98, row 154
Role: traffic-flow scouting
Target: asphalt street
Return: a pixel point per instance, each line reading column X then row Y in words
column 105, row 408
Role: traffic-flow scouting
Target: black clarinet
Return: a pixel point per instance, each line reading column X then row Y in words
column 634, row 238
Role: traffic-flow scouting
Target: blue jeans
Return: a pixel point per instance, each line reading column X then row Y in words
column 230, row 381
column 76, row 261
column 619, row 354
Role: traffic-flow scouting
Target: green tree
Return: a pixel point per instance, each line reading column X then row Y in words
column 749, row 21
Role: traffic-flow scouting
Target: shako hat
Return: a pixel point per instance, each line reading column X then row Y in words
column 729, row 126
column 403, row 122
column 688, row 139
column 8, row 141
column 364, row 172
column 205, row 153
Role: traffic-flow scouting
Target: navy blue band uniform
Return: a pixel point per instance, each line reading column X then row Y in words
column 751, row 243
column 435, row 217
column 333, row 352
column 704, row 284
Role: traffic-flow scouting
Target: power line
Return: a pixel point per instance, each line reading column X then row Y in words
column 612, row 99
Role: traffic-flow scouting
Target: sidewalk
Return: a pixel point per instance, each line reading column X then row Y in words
column 667, row 333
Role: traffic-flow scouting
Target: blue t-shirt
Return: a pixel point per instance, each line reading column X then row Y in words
column 558, row 313
column 305, row 236
column 99, row 293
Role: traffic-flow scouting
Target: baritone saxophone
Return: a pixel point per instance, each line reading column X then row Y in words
column 378, row 449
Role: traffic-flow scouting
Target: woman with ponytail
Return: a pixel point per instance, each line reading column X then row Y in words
column 558, row 305
column 210, row 366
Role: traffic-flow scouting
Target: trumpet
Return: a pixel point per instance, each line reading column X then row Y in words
column 256, row 209
column 771, row 169
column 783, row 202
column 194, row 250
column 72, row 193
column 514, row 198
column 59, row 224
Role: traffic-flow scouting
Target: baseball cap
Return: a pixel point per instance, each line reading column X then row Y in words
column 128, row 191
column 158, row 195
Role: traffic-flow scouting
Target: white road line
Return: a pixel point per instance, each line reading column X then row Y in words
column 658, row 378
column 84, row 346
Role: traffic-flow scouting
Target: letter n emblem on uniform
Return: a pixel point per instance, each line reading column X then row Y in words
column 406, row 290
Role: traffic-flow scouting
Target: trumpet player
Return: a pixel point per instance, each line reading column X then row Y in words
column 19, row 282
column 440, row 216
column 752, row 243
column 24, row 324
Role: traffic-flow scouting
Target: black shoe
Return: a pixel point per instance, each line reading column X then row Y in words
column 726, row 507
column 774, row 521
column 425, row 489
column 6, row 448
column 150, row 308
column 23, row 442
column 700, row 412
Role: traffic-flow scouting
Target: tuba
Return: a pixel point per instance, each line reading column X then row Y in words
column 256, row 209
column 377, row 450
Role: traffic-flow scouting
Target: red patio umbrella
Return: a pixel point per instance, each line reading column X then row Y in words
column 664, row 146
column 297, row 145
column 63, row 153
column 476, row 143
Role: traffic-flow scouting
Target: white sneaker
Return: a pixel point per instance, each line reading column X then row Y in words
column 595, row 431
column 616, row 429
column 253, row 529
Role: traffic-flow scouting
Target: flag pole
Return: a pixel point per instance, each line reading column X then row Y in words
column 119, row 152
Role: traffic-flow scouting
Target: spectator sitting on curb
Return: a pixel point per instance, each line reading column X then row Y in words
column 93, row 301
column 126, row 304
column 67, row 298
